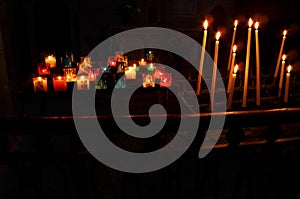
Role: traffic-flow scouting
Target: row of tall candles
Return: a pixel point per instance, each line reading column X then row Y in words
column 234, row 68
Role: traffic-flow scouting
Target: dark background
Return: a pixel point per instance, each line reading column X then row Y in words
column 44, row 158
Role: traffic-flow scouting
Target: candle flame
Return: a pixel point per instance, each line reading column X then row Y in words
column 39, row 79
column 283, row 57
column 236, row 23
column 256, row 25
column 250, row 23
column 134, row 65
column 205, row 24
column 51, row 57
column 289, row 68
column 236, row 67
column 59, row 77
column 82, row 77
column 234, row 48
column 284, row 32
column 218, row 35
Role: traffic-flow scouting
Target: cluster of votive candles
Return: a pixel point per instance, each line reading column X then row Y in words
column 165, row 79
column 60, row 82
column 233, row 68
column 40, row 83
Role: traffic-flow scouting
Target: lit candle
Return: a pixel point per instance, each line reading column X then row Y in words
column 214, row 73
column 150, row 68
column 232, row 45
column 113, row 64
column 130, row 72
column 280, row 54
column 247, row 65
column 83, row 83
column 40, row 84
column 148, row 81
column 165, row 80
column 281, row 75
column 205, row 25
column 142, row 62
column 70, row 74
column 43, row 69
column 51, row 61
column 230, row 95
column 91, row 74
column 232, row 67
column 257, row 66
column 287, row 84
column 59, row 83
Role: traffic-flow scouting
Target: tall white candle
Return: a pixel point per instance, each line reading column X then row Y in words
column 287, row 84
column 232, row 45
column 231, row 90
column 281, row 75
column 231, row 68
column 257, row 66
column 214, row 73
column 244, row 102
column 280, row 54
column 205, row 25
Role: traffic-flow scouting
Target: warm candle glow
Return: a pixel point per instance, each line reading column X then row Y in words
column 50, row 57
column 244, row 102
column 205, row 24
column 250, row 23
column 280, row 54
column 283, row 57
column 218, row 35
column 134, row 65
column 236, row 23
column 82, row 77
column 39, row 79
column 256, row 25
column 231, row 87
column 59, row 78
column 51, row 61
column 287, row 84
column 234, row 48
column 289, row 68
column 236, row 68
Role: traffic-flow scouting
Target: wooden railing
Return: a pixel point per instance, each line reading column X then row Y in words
column 42, row 156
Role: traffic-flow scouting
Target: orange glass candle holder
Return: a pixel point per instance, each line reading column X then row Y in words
column 40, row 84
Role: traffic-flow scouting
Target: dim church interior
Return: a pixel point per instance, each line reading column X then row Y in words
column 29, row 29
